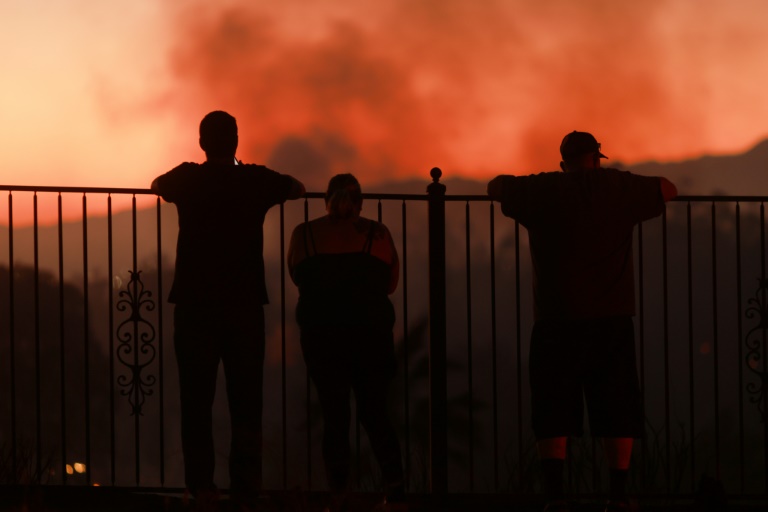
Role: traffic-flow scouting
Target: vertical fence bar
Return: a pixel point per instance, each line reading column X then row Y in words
column 715, row 348
column 438, row 403
column 86, row 345
column 641, row 335
column 12, row 336
column 764, row 353
column 493, row 345
column 38, row 391
column 519, row 363
column 667, row 422
column 160, row 340
column 110, row 295
column 136, row 423
column 406, row 350
column 691, row 380
column 62, row 348
column 308, row 388
column 739, row 361
column 469, row 352
column 283, row 365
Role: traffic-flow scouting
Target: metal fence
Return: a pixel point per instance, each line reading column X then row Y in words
column 88, row 394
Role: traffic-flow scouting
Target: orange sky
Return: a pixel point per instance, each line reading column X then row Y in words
column 96, row 95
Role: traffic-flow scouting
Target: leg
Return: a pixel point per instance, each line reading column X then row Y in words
column 613, row 398
column 243, row 358
column 330, row 373
column 552, row 453
column 371, row 386
column 618, row 450
column 556, row 401
column 552, row 447
column 197, row 356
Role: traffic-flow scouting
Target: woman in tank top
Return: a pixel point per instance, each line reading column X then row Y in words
column 345, row 267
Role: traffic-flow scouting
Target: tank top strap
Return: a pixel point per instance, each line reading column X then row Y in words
column 369, row 240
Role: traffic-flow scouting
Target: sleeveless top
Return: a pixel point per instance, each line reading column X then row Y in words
column 343, row 289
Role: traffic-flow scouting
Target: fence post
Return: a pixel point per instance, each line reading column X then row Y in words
column 438, row 394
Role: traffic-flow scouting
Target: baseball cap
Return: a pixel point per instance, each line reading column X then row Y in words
column 579, row 143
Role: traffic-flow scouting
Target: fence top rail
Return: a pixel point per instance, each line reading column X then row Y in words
column 77, row 190
column 367, row 195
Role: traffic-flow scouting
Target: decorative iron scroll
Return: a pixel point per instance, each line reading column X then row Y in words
column 136, row 350
column 755, row 343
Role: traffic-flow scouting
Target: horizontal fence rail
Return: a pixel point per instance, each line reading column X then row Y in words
column 88, row 395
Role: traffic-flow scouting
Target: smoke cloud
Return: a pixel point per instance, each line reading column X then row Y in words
column 391, row 89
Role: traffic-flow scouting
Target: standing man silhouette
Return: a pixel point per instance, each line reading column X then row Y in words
column 219, row 293
column 580, row 225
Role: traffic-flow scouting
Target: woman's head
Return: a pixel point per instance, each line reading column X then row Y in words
column 343, row 199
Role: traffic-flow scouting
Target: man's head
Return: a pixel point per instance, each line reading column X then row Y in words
column 218, row 135
column 580, row 150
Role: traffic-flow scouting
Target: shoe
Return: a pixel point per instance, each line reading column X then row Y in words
column 395, row 495
column 620, row 506
column 557, row 506
column 247, row 500
column 337, row 502
column 206, row 500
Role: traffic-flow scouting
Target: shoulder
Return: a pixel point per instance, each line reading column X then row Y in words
column 379, row 230
column 255, row 168
column 170, row 184
column 259, row 170
column 531, row 183
column 182, row 170
column 623, row 174
column 265, row 176
column 628, row 178
column 299, row 229
column 506, row 183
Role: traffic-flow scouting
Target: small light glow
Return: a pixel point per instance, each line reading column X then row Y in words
column 70, row 471
column 79, row 467
column 96, row 484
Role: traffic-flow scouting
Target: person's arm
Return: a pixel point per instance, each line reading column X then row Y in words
column 297, row 189
column 496, row 188
column 668, row 189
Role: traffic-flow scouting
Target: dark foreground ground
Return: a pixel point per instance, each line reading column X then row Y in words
column 93, row 499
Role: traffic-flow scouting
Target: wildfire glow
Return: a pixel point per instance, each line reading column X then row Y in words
column 96, row 95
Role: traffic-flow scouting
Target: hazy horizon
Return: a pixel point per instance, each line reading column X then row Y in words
column 101, row 96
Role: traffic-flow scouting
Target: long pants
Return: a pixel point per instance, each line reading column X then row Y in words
column 341, row 360
column 234, row 335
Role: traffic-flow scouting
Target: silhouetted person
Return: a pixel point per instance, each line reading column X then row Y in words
column 580, row 225
column 345, row 267
column 219, row 292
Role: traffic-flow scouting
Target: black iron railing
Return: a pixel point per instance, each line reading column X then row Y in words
column 87, row 395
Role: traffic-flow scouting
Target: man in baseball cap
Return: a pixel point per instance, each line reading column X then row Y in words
column 579, row 143
column 580, row 224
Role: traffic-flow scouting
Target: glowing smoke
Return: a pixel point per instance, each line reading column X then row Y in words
column 475, row 87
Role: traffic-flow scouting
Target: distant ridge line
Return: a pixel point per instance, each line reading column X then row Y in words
column 367, row 195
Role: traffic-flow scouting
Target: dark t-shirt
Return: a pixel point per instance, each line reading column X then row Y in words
column 219, row 252
column 580, row 226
